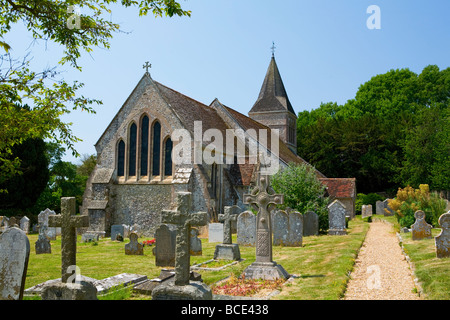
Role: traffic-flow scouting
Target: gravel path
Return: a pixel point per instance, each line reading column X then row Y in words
column 381, row 271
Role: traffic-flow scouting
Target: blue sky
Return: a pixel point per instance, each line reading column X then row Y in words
column 324, row 51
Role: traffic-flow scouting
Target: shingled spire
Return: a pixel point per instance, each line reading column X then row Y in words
column 273, row 108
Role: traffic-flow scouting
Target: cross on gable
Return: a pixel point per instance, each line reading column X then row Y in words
column 263, row 196
column 68, row 223
column 183, row 218
column 230, row 214
column 146, row 66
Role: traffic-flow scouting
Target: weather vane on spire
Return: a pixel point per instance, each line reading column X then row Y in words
column 146, row 66
column 273, row 48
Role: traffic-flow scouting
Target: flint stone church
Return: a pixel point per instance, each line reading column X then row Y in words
column 135, row 177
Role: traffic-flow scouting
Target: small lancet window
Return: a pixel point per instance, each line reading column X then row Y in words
column 168, row 157
column 132, row 151
column 121, row 159
column 156, row 137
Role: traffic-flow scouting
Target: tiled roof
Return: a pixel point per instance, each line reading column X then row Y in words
column 340, row 187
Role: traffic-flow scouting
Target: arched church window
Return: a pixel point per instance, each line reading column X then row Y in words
column 121, row 159
column 144, row 145
column 168, row 146
column 132, row 151
column 156, row 138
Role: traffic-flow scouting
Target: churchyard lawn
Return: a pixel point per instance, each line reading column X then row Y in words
column 322, row 264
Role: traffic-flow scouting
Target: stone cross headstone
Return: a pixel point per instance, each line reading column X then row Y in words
column 442, row 241
column 336, row 218
column 164, row 249
column 69, row 223
column 69, row 288
column 14, row 255
column 310, row 224
column 184, row 219
column 246, row 229
column 25, row 224
column 227, row 250
column 263, row 196
column 134, row 247
column 420, row 229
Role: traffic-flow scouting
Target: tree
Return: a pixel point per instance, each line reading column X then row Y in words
column 48, row 95
column 302, row 191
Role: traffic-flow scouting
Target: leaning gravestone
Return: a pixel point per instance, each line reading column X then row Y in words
column 164, row 249
column 134, row 247
column 280, row 227
column 263, row 196
column 443, row 239
column 25, row 224
column 228, row 250
column 246, row 229
column 336, row 218
column 420, row 229
column 182, row 288
column 14, row 254
column 69, row 288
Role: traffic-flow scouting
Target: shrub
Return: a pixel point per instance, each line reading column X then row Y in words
column 409, row 200
column 302, row 191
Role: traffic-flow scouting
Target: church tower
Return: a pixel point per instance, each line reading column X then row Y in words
column 273, row 108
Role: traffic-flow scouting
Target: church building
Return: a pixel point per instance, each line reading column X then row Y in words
column 136, row 178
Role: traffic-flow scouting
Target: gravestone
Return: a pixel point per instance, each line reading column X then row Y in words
column 228, row 250
column 215, row 232
column 14, row 255
column 379, row 208
column 4, row 223
column 263, row 196
column 50, row 232
column 442, row 241
column 195, row 243
column 25, row 224
column 366, row 211
column 164, row 249
column 134, row 247
column 117, row 229
column 90, row 236
column 336, row 218
column 310, row 224
column 420, row 229
column 295, row 231
column 280, row 227
column 66, row 289
column 42, row 245
column 388, row 212
column 182, row 288
column 246, row 229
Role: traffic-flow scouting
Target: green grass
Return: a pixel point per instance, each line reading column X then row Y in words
column 323, row 264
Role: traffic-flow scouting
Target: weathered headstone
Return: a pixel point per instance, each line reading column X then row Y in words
column 420, row 229
column 117, row 229
column 336, row 218
column 14, row 254
column 387, row 211
column 280, row 227
column 182, row 288
column 43, row 223
column 310, row 224
column 379, row 208
column 164, row 249
column 25, row 224
column 90, row 236
column 195, row 243
column 67, row 289
column 134, row 247
column 246, row 229
column 295, row 230
column 228, row 250
column 215, row 232
column 366, row 211
column 442, row 241
column 42, row 245
column 263, row 196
